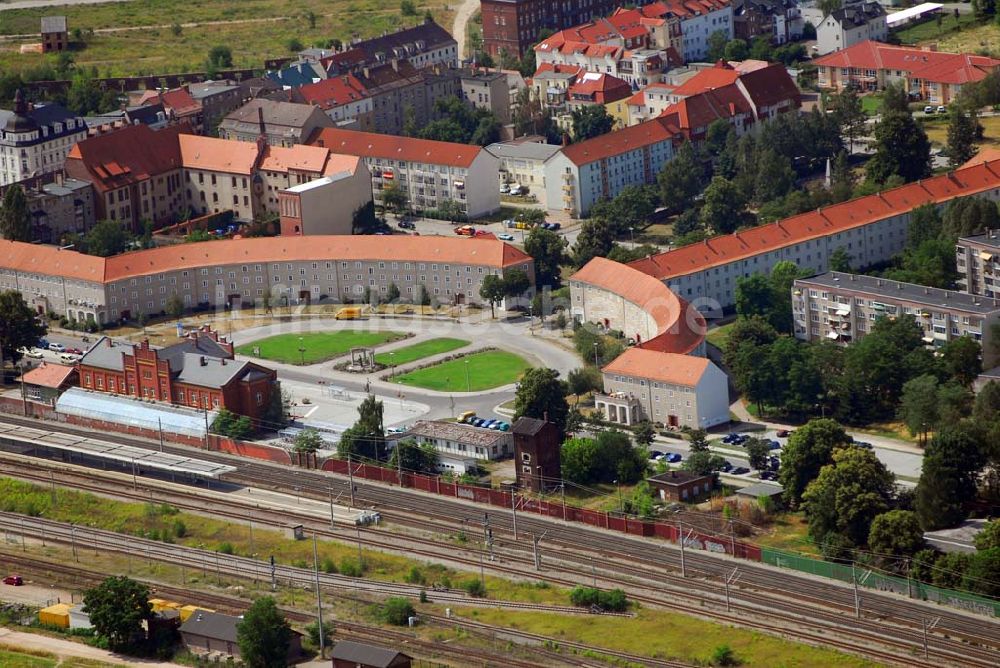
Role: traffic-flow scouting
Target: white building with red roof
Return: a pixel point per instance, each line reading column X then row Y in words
column 428, row 172
column 870, row 66
column 343, row 98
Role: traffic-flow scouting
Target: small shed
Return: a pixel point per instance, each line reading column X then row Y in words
column 55, row 615
column 681, row 485
column 47, row 381
column 350, row 654
column 757, row 490
column 213, row 634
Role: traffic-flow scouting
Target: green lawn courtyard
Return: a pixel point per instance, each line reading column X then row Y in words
column 317, row 346
column 486, row 370
column 418, row 351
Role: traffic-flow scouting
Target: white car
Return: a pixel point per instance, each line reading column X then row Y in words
column 503, row 236
column 33, row 353
column 57, row 347
column 68, row 358
column 504, row 189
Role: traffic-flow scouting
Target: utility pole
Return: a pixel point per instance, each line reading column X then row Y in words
column 488, row 534
column 731, row 579
column 135, row 484
column 350, row 475
column 513, row 511
column 928, row 624
column 399, row 461
column 274, row 579
column 159, row 422
column 680, row 536
column 538, row 557
column 857, row 596
column 252, row 550
column 72, row 538
column 319, row 599
column 562, row 490
column 24, row 396
column 331, row 508
column 361, row 561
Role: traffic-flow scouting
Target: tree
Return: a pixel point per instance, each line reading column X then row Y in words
column 515, row 283
column 423, row 297
column 107, row 238
column 580, row 460
column 493, row 291
column 698, row 440
column 918, row 407
column 841, row 179
column 847, row 495
column 117, row 608
column 807, row 451
column 962, row 129
column 644, row 434
column 541, row 395
column 961, row 359
column 989, row 537
column 416, row 457
column 717, row 45
column 364, row 220
column 392, row 293
column 736, row 49
column 774, row 176
column 408, row 8
column 703, row 463
column 548, row 250
column 263, row 635
column 849, row 113
column 828, row 6
column 308, row 441
column 981, row 576
column 985, row 409
column 758, row 450
column 15, row 218
column 723, row 207
column 839, row 260
column 19, row 328
column 231, row 425
column 583, row 380
column 591, row 121
column 595, row 240
column 366, row 437
column 951, row 465
column 682, row 178
column 895, row 99
column 175, row 306
column 487, row 132
column 901, row 149
column 394, row 199
column 397, row 611
column 893, row 537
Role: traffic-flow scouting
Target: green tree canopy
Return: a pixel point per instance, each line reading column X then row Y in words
column 15, row 218
column 107, row 238
column 117, row 608
column 961, row 359
column 723, row 207
column 263, row 635
column 807, row 451
column 683, row 177
column 421, row 458
column 493, row 291
column 901, row 149
column 548, row 250
column 307, row 440
column 18, row 326
column 951, row 466
column 963, row 126
column 591, row 121
column 541, row 395
column 366, row 437
column 596, row 239
column 894, row 536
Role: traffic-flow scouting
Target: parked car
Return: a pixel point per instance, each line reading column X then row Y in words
column 783, row 433
column 42, row 343
column 774, row 463
column 673, row 457
column 57, row 347
column 504, row 189
column 726, row 467
column 740, row 470
column 555, row 226
column 503, row 236
column 655, row 454
column 942, row 109
column 863, row 444
column 730, row 438
column 928, row 109
column 67, row 358
column 74, row 351
column 34, row 354
column 13, row 580
column 774, row 445
column 768, row 475
column 504, row 426
column 407, row 225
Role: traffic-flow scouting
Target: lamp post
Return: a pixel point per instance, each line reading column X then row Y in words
column 302, row 351
column 468, row 384
column 621, row 503
column 596, row 363
column 631, row 233
column 392, row 365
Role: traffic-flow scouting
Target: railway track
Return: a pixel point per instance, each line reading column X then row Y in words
column 957, row 634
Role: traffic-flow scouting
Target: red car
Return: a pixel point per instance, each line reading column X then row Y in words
column 74, row 351
column 14, row 580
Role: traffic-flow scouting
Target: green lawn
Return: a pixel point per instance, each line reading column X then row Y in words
column 13, row 659
column 485, row 370
column 871, row 103
column 718, row 336
column 319, row 346
column 418, row 351
column 929, row 30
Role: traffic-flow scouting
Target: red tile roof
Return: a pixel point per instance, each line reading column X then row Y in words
column 331, row 92
column 49, row 375
column 71, row 264
column 680, row 329
column 114, row 161
column 217, row 155
column 713, row 77
column 698, row 111
column 822, row 222
column 618, row 142
column 601, row 88
column 685, row 370
column 370, row 144
column 935, row 66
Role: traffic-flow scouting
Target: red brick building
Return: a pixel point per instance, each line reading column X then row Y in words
column 199, row 372
column 513, row 25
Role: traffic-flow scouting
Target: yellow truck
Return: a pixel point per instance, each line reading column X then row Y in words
column 348, row 313
column 464, row 417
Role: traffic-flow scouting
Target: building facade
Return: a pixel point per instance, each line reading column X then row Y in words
column 849, row 25
column 429, row 173
column 282, row 123
column 55, row 35
column 238, row 273
column 869, row 229
column 843, row 308
column 523, row 163
column 537, row 462
column 665, row 388
column 486, row 90
column 61, row 207
column 454, row 440
column 978, row 263
column 512, row 26
column 199, row 372
column 35, row 140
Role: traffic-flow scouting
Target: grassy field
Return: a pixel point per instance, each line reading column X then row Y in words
column 871, row 103
column 975, row 39
column 21, row 657
column 660, row 634
column 418, row 351
column 928, row 31
column 789, row 532
column 485, row 370
column 718, row 336
column 319, row 346
column 937, row 131
column 153, row 47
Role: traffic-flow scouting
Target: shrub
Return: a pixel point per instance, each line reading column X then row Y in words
column 397, row 611
column 227, row 548
column 613, row 601
column 415, row 576
column 180, row 529
column 350, row 568
column 723, row 656
column 329, row 566
column 423, row 596
column 474, row 588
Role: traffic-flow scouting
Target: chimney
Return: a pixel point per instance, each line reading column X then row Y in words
column 260, row 121
column 201, row 361
column 395, row 64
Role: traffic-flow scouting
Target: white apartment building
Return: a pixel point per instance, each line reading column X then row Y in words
column 870, row 229
column 699, row 26
column 586, row 172
column 429, row 173
column 238, row 273
column 851, row 24
column 666, row 388
column 35, row 140
column 523, row 163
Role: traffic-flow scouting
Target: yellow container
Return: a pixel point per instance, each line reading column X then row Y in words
column 55, row 615
column 188, row 610
column 161, row 604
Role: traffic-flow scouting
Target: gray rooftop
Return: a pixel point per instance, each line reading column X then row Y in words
column 896, row 291
column 107, row 353
column 288, row 114
column 761, row 489
column 67, row 187
column 212, row 625
column 53, row 24
column 365, row 655
column 455, row 431
column 210, row 371
column 206, row 88
column 677, row 477
column 990, row 239
column 956, row 539
column 523, row 151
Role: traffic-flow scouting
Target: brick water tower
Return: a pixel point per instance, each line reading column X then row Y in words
column 536, row 454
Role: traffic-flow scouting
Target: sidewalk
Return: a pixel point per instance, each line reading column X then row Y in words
column 69, row 649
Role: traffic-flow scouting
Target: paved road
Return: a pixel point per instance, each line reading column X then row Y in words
column 458, row 27
column 67, row 649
